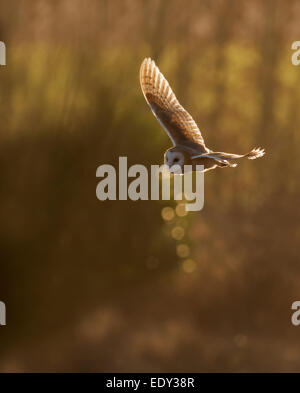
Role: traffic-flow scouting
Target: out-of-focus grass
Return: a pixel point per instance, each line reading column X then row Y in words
column 67, row 110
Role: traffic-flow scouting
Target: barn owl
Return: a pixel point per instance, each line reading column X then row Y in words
column 188, row 144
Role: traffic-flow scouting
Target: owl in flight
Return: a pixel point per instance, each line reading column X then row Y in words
column 188, row 144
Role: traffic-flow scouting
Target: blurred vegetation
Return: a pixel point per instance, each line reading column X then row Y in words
column 141, row 286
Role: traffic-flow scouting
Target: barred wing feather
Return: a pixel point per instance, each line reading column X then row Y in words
column 177, row 122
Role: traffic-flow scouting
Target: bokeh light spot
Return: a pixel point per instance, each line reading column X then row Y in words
column 183, row 250
column 177, row 233
column 189, row 266
column 180, row 210
column 167, row 213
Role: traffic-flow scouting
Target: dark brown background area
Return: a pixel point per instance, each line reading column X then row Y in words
column 105, row 286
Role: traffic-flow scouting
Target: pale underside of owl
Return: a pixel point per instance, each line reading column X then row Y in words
column 188, row 144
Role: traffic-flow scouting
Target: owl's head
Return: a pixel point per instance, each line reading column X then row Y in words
column 174, row 159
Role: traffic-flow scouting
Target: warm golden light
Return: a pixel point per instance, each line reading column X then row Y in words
column 177, row 233
column 135, row 282
column 189, row 266
column 180, row 210
column 167, row 213
column 183, row 250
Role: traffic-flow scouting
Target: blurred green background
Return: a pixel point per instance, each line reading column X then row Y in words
column 141, row 286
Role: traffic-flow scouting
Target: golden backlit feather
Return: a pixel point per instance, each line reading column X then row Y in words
column 178, row 123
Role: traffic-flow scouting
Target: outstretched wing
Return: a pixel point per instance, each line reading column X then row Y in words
column 177, row 122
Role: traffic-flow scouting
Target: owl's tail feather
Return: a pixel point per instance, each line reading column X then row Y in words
column 224, row 159
column 255, row 153
column 252, row 155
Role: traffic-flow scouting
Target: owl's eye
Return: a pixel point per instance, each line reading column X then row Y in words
column 176, row 159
